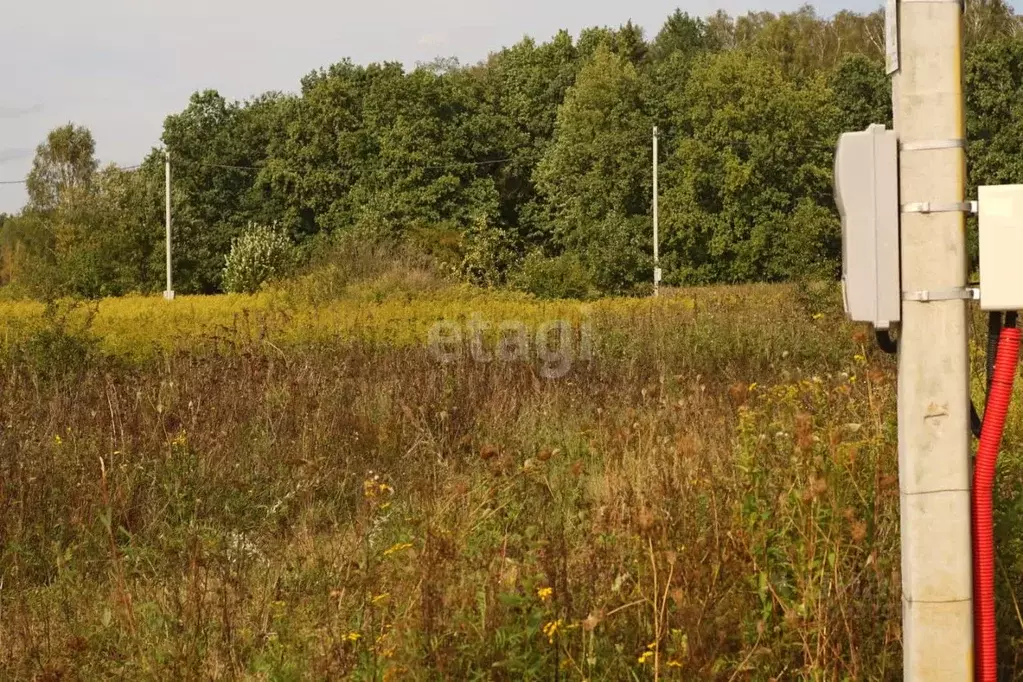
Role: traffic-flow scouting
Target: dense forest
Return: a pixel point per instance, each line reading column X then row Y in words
column 533, row 166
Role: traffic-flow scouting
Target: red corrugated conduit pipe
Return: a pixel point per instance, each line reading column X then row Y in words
column 999, row 394
column 1003, row 357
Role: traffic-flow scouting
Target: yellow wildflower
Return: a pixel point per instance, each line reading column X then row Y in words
column 353, row 636
column 401, row 546
column 644, row 657
column 372, row 487
column 551, row 629
column 545, row 593
column 57, row 440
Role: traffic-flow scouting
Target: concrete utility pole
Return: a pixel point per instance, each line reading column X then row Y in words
column 657, row 241
column 934, row 417
column 169, row 293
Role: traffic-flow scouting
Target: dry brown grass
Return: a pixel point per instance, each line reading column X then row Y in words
column 712, row 496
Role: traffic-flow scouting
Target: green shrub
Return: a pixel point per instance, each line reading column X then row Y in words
column 336, row 263
column 617, row 255
column 563, row 276
column 259, row 255
column 61, row 346
column 489, row 252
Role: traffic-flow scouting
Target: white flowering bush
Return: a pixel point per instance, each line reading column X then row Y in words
column 260, row 254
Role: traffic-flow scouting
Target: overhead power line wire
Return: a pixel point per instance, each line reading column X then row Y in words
column 453, row 164
column 25, row 179
column 220, row 165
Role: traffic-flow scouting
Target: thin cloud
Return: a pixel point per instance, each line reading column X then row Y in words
column 14, row 154
column 433, row 39
column 14, row 112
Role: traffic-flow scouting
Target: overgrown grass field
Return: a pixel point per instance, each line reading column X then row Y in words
column 267, row 488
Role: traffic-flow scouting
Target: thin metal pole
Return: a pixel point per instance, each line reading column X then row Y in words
column 169, row 293
column 657, row 241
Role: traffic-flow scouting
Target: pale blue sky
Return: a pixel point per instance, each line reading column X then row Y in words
column 120, row 66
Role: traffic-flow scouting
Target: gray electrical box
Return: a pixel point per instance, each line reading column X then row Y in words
column 867, row 195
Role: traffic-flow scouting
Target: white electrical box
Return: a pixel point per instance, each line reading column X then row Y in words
column 867, row 195
column 1000, row 219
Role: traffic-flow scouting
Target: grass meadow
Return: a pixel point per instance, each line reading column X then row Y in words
column 277, row 488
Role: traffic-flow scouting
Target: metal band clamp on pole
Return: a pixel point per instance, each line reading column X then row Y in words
column 964, row 294
column 929, row 145
column 935, row 207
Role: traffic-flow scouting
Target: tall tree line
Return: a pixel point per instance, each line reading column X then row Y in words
column 539, row 154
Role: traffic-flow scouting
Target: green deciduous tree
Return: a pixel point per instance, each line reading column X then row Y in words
column 539, row 153
column 683, row 34
column 626, row 41
column 863, row 92
column 993, row 83
column 994, row 104
column 519, row 91
column 218, row 150
column 750, row 195
column 260, row 254
column 985, row 20
column 63, row 168
column 596, row 175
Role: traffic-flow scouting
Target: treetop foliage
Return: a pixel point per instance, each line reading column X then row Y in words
column 537, row 159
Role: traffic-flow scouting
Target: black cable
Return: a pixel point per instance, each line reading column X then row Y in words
column 891, row 346
column 994, row 330
column 453, row 165
column 25, row 180
column 886, row 342
column 996, row 323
